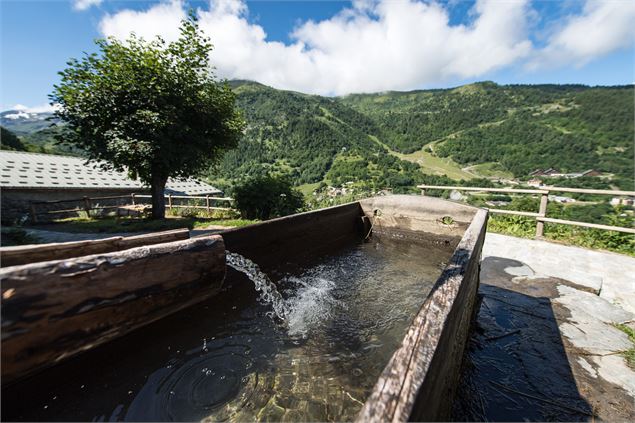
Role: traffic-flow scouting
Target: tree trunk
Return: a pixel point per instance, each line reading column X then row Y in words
column 158, row 196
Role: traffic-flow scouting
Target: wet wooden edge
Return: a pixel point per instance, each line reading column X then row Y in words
column 420, row 379
column 53, row 310
column 25, row 254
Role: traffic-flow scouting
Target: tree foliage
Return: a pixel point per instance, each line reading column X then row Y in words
column 10, row 141
column 152, row 108
column 267, row 196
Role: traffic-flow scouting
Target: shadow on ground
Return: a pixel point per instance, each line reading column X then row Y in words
column 516, row 366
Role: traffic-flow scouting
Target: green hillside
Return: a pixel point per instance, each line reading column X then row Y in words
column 39, row 141
column 398, row 139
column 395, row 139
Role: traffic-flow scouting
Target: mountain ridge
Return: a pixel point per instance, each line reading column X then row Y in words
column 399, row 138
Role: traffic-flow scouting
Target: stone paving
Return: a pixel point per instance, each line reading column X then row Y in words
column 545, row 345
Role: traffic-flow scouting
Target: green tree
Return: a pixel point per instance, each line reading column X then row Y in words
column 264, row 197
column 10, row 141
column 153, row 108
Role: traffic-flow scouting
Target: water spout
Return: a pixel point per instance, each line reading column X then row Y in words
column 268, row 292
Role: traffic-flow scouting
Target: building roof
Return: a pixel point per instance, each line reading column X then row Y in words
column 47, row 171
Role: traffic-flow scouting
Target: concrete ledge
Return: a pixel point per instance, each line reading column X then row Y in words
column 419, row 214
column 608, row 274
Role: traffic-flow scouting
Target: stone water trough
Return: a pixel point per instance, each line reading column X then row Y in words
column 65, row 299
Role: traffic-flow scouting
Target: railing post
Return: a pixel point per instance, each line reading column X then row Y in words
column 170, row 201
column 133, row 199
column 33, row 213
column 423, row 191
column 87, row 206
column 207, row 202
column 542, row 211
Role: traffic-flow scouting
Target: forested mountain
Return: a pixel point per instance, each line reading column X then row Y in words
column 398, row 139
column 390, row 138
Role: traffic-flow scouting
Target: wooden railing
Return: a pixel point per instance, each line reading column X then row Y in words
column 541, row 215
column 132, row 201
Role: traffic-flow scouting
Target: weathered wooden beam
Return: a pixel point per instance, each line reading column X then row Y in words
column 542, row 211
column 24, row 254
column 587, row 225
column 514, row 212
column 56, row 309
column 590, row 191
column 478, row 189
column 420, row 380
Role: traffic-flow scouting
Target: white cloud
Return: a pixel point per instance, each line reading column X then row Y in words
column 19, row 115
column 24, row 112
column 379, row 45
column 161, row 19
column 372, row 46
column 601, row 28
column 85, row 4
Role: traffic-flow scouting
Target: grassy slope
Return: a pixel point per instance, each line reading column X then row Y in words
column 430, row 164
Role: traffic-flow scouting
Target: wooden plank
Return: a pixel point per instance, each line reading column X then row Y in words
column 198, row 197
column 297, row 236
column 587, row 225
column 541, row 190
column 110, row 197
column 505, row 190
column 79, row 200
column 61, row 211
column 515, row 212
column 24, row 254
column 56, row 309
column 186, row 206
column 591, row 191
column 154, row 238
column 420, row 380
column 542, row 211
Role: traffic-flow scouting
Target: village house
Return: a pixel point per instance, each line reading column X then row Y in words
column 553, row 173
column 622, row 201
column 29, row 177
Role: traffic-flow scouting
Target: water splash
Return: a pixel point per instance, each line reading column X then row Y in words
column 311, row 303
column 268, row 292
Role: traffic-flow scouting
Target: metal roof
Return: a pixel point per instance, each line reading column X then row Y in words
column 47, row 171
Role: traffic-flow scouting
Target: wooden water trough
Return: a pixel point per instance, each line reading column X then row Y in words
column 55, row 309
column 421, row 378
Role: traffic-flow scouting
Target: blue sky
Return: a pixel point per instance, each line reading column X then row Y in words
column 336, row 47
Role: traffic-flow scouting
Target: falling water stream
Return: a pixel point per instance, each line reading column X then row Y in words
column 307, row 344
column 266, row 288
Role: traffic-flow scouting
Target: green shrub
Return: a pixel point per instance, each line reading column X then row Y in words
column 264, row 197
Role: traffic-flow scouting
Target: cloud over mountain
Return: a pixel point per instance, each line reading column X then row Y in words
column 387, row 45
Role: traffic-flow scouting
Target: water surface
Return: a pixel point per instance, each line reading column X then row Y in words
column 232, row 358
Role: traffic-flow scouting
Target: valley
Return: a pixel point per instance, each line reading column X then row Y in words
column 395, row 140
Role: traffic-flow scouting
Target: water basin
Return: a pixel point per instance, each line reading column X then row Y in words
column 353, row 308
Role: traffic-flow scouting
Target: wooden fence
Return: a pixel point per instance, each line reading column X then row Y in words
column 541, row 215
column 132, row 203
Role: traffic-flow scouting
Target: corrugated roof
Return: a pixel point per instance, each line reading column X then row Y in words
column 47, row 171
